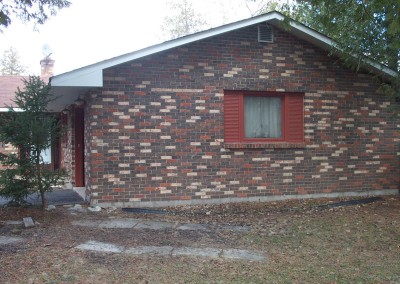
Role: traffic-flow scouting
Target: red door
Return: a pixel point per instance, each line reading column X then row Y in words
column 79, row 147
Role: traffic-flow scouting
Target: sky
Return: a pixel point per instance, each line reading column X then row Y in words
column 90, row 31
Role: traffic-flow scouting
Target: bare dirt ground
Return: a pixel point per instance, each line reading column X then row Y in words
column 304, row 243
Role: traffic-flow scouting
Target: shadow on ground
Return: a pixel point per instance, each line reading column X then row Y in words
column 56, row 197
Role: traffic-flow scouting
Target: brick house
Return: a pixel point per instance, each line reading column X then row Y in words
column 9, row 85
column 244, row 112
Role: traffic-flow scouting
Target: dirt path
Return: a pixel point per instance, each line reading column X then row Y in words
column 302, row 241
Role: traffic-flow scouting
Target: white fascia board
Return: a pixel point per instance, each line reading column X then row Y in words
column 381, row 68
column 314, row 36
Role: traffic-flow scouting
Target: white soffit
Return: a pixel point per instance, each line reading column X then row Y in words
column 92, row 75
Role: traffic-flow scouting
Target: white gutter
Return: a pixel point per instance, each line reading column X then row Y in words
column 6, row 109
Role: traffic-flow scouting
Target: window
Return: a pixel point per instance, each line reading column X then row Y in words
column 46, row 155
column 263, row 117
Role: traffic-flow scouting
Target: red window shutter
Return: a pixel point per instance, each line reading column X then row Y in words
column 294, row 118
column 232, row 117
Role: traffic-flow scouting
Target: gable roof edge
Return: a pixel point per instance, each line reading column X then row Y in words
column 93, row 72
column 332, row 44
column 92, row 75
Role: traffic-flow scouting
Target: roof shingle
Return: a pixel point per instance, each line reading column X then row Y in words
column 8, row 87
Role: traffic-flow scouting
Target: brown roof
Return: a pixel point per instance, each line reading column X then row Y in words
column 8, row 87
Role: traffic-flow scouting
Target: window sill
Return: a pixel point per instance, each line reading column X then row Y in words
column 268, row 145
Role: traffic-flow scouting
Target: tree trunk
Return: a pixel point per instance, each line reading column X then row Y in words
column 44, row 201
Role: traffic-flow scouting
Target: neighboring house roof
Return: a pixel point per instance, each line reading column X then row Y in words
column 8, row 86
column 69, row 85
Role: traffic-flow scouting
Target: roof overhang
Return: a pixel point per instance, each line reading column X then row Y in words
column 65, row 96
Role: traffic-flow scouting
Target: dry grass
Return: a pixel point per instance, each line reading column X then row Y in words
column 304, row 243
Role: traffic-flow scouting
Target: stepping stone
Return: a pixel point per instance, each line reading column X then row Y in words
column 28, row 222
column 13, row 223
column 119, row 224
column 154, row 225
column 164, row 250
column 237, row 254
column 202, row 252
column 100, row 247
column 243, row 254
column 9, row 240
column 86, row 223
column 193, row 227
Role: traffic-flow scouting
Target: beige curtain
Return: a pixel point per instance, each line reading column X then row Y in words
column 263, row 117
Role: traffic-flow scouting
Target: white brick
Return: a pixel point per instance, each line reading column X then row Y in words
column 319, row 158
column 150, row 130
column 260, row 159
column 206, row 157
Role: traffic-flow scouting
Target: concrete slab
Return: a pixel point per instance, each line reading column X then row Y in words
column 119, row 224
column 86, row 223
column 153, row 250
column 237, row 254
column 197, row 252
column 193, row 227
column 128, row 223
column 13, row 223
column 154, row 225
column 100, row 247
column 4, row 240
column 243, row 255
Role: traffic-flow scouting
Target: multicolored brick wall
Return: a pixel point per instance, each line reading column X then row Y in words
column 67, row 146
column 155, row 131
